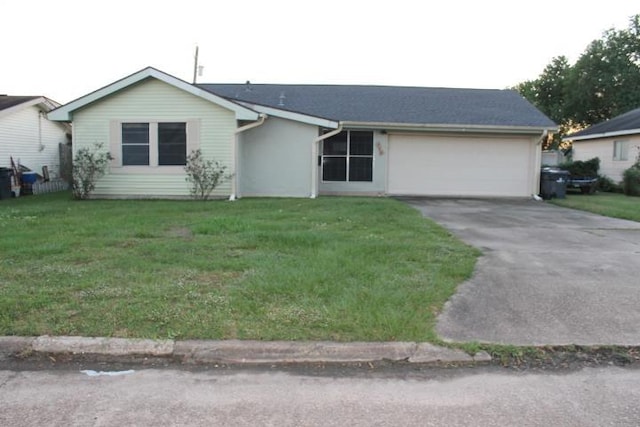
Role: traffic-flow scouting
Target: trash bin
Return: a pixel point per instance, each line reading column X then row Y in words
column 553, row 183
column 5, row 183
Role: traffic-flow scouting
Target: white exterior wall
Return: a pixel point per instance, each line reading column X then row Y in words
column 275, row 159
column 31, row 138
column 149, row 101
column 603, row 149
column 456, row 165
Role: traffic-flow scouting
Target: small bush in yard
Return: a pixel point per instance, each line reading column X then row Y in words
column 584, row 168
column 204, row 175
column 631, row 180
column 89, row 164
column 608, row 185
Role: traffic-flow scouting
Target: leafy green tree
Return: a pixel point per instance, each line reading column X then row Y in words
column 603, row 83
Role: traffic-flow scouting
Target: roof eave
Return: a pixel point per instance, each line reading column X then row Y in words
column 65, row 113
column 426, row 127
column 46, row 103
column 602, row 135
column 292, row 115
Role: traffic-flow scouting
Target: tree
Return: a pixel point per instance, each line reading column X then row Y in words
column 603, row 83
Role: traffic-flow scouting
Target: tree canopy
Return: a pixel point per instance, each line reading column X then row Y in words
column 603, row 83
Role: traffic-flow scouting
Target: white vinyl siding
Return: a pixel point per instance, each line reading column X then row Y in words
column 604, row 149
column 31, row 138
column 461, row 166
column 209, row 127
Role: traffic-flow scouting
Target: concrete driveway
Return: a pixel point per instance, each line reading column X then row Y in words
column 548, row 275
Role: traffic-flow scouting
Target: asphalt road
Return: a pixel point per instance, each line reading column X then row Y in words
column 605, row 396
column 548, row 275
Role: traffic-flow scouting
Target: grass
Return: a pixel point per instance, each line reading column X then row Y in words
column 608, row 204
column 344, row 269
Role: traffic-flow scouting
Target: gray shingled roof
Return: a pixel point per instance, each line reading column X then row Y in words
column 623, row 122
column 392, row 104
column 7, row 101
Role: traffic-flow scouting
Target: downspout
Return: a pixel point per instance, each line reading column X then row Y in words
column 314, row 159
column 234, row 181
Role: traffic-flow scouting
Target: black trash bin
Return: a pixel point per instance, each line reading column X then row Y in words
column 553, row 183
column 5, row 183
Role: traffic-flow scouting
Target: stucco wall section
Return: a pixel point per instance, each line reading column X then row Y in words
column 603, row 149
column 153, row 100
column 275, row 159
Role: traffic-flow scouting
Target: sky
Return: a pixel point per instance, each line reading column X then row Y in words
column 64, row 49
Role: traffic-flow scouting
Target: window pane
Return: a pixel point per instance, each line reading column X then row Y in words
column 335, row 145
column 135, row 155
column 334, row 169
column 172, row 144
column 361, row 143
column 135, row 144
column 135, row 133
column 360, row 169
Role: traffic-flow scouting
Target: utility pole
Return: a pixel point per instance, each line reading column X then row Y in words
column 195, row 66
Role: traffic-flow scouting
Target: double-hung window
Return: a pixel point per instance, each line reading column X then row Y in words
column 154, row 144
column 348, row 156
column 620, row 150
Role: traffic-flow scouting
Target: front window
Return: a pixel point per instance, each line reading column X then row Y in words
column 348, row 156
column 135, row 144
column 172, row 144
column 154, row 144
column 620, row 150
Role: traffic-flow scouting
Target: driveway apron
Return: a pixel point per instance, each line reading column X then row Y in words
column 548, row 275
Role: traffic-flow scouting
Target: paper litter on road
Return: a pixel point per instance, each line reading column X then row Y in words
column 92, row 373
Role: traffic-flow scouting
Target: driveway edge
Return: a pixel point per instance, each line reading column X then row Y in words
column 239, row 351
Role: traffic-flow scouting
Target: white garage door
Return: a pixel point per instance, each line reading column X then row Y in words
column 459, row 166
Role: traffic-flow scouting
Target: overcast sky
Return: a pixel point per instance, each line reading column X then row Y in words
column 64, row 49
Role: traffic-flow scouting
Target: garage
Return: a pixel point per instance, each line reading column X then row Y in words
column 482, row 166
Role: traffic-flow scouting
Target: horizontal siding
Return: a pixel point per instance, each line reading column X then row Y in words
column 603, row 149
column 21, row 139
column 154, row 100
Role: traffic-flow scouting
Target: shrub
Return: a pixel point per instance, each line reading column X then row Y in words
column 582, row 168
column 89, row 164
column 204, row 175
column 607, row 184
column 631, row 180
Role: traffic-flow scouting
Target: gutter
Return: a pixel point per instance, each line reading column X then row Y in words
column 314, row 157
column 234, row 182
column 394, row 126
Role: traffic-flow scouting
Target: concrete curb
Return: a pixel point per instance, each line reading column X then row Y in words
column 242, row 352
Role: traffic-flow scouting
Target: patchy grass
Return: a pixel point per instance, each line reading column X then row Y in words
column 608, row 204
column 343, row 269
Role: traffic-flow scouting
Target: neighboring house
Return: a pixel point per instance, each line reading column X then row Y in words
column 28, row 136
column 616, row 142
column 305, row 140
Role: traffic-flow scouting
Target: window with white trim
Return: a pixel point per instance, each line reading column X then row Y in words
column 348, row 156
column 154, row 144
column 620, row 150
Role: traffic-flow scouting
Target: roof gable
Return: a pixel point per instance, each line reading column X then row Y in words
column 65, row 112
column 393, row 104
column 624, row 124
column 10, row 104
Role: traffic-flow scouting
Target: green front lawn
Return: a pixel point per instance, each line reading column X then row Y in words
column 608, row 204
column 294, row 269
